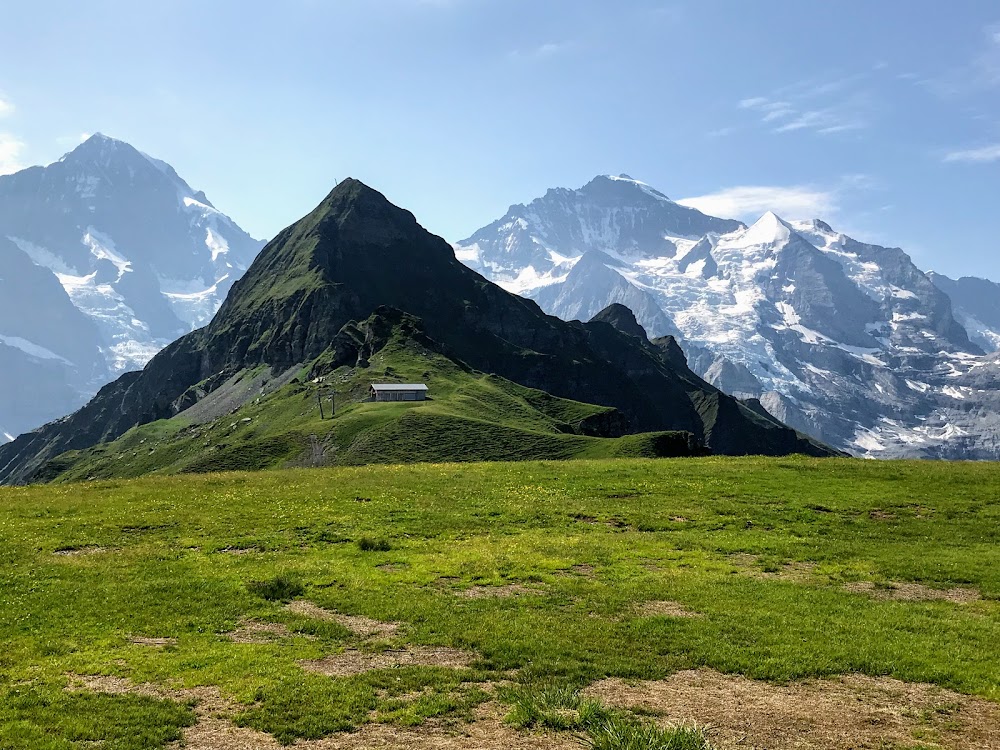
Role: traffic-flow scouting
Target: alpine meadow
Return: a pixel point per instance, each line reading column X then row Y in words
column 395, row 443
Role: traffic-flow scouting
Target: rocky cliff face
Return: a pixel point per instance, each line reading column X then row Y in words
column 976, row 305
column 108, row 256
column 847, row 341
column 357, row 252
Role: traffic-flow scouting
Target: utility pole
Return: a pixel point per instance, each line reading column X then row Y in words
column 319, row 398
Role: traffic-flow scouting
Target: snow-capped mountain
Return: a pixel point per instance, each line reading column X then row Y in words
column 106, row 256
column 846, row 341
column 976, row 303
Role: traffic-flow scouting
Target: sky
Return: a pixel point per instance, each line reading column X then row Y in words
column 882, row 118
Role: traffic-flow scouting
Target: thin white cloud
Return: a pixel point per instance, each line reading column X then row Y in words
column 794, row 107
column 748, row 202
column 975, row 155
column 720, row 132
column 6, row 108
column 11, row 149
column 541, row 52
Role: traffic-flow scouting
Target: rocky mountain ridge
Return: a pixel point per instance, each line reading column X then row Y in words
column 106, row 256
column 847, row 341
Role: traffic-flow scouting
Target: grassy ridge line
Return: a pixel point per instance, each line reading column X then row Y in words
column 593, row 540
column 471, row 417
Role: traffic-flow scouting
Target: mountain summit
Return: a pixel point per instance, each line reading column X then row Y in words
column 846, row 341
column 126, row 249
column 357, row 253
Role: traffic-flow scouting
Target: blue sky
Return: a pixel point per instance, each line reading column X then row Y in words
column 881, row 117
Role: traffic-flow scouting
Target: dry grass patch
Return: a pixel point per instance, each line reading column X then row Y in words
column 490, row 734
column 259, row 633
column 845, row 713
column 364, row 627
column 79, row 551
column 796, row 572
column 666, row 609
column 153, row 642
column 913, row 592
column 213, row 730
column 353, row 662
column 881, row 515
column 505, row 591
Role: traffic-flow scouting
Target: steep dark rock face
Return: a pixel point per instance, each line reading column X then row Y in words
column 621, row 319
column 357, row 252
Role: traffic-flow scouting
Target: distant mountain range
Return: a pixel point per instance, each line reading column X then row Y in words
column 106, row 256
column 358, row 290
column 845, row 341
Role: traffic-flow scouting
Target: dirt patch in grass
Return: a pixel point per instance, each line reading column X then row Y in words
column 259, row 633
column 353, row 662
column 832, row 714
column 213, row 730
column 796, row 572
column 153, row 642
column 666, row 609
column 240, row 550
column 497, row 592
column 79, row 551
column 488, row 732
column 881, row 515
column 584, row 570
column 913, row 592
column 364, row 627
column 793, row 571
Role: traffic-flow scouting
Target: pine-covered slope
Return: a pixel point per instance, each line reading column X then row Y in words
column 355, row 253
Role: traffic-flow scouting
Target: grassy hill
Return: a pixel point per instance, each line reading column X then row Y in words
column 515, row 605
column 259, row 422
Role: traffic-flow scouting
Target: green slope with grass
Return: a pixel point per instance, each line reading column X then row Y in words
column 470, row 416
column 786, row 566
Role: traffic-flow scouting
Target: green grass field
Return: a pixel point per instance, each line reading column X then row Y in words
column 145, row 580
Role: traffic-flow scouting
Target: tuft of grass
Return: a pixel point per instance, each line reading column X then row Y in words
column 619, row 732
column 560, row 706
column 552, row 706
column 278, row 589
column 368, row 544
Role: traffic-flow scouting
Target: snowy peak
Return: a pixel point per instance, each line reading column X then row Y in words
column 624, row 185
column 126, row 244
column 769, row 229
column 535, row 245
column 849, row 341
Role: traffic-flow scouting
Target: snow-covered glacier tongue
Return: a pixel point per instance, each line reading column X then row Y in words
column 847, row 341
column 137, row 256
